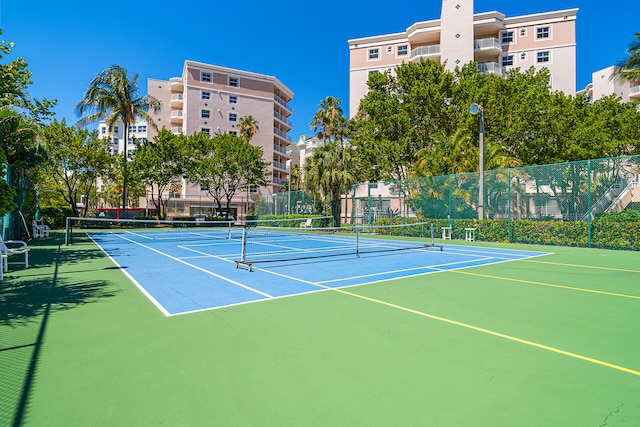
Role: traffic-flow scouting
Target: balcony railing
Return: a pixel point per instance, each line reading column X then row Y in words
column 489, row 43
column 279, row 149
column 177, row 97
column 281, row 102
column 283, row 119
column 279, row 165
column 634, row 91
column 176, row 114
column 491, row 68
column 425, row 50
column 177, row 130
column 282, row 134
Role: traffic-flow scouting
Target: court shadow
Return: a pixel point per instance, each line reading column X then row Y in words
column 23, row 300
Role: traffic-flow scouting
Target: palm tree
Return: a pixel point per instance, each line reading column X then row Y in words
column 247, row 127
column 113, row 95
column 329, row 121
column 330, row 172
column 629, row 68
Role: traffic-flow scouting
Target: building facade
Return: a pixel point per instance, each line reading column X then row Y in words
column 137, row 131
column 212, row 99
column 495, row 42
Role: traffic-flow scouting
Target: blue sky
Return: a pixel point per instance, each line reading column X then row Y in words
column 302, row 43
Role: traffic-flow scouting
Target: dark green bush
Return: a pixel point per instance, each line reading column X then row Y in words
column 55, row 216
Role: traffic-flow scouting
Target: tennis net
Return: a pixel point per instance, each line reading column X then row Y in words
column 279, row 244
column 178, row 230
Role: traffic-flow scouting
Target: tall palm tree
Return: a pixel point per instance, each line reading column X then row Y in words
column 247, row 127
column 114, row 96
column 330, row 172
column 629, row 68
column 329, row 122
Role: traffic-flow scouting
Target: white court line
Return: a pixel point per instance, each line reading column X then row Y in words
column 135, row 282
column 233, row 282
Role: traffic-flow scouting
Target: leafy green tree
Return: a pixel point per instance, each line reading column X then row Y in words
column 223, row 165
column 159, row 165
column 77, row 158
column 114, row 96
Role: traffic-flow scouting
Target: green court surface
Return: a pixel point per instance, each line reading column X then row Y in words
column 549, row 341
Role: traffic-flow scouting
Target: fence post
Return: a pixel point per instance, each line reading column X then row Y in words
column 589, row 203
column 509, row 205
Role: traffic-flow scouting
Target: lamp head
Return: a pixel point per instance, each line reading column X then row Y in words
column 475, row 109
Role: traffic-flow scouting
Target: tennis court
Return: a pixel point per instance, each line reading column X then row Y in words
column 204, row 262
column 474, row 335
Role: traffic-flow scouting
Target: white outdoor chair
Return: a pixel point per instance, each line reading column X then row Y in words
column 306, row 224
column 40, row 230
column 13, row 247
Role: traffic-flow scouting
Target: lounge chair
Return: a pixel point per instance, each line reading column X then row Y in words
column 13, row 247
column 40, row 230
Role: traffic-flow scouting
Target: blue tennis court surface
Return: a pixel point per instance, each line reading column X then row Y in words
column 184, row 276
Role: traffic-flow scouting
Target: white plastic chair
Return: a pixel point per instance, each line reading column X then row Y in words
column 13, row 247
column 306, row 224
column 40, row 230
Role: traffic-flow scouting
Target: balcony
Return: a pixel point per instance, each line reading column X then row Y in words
column 176, row 84
column 176, row 116
column 177, row 100
column 176, row 130
column 281, row 150
column 634, row 92
column 279, row 165
column 282, row 102
column 488, row 48
column 430, row 51
column 283, row 119
column 491, row 68
column 282, row 134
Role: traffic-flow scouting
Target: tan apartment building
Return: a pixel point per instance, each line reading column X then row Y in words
column 495, row 42
column 209, row 98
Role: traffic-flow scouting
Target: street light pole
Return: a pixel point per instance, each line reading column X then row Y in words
column 475, row 109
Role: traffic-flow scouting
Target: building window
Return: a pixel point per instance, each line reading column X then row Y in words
column 523, row 32
column 372, row 71
column 374, row 53
column 507, row 37
column 132, row 129
column 142, row 128
column 507, row 60
column 542, row 57
column 142, row 140
column 116, row 141
column 233, row 99
column 115, row 129
column 206, row 77
column 104, row 130
column 389, row 49
column 205, row 114
column 233, row 117
column 403, row 50
column 523, row 55
column 232, row 132
column 542, row 33
column 130, row 141
column 234, row 82
column 205, row 95
column 206, row 130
